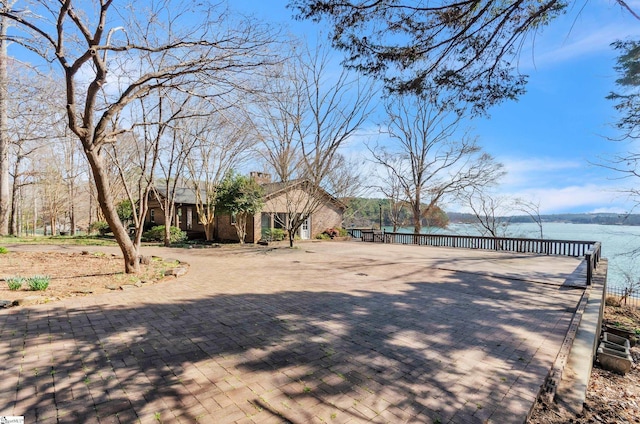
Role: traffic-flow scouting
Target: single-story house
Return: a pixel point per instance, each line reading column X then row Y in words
column 280, row 199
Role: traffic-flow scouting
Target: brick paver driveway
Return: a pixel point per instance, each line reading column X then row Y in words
column 327, row 332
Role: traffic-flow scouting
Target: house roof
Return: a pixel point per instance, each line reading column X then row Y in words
column 184, row 195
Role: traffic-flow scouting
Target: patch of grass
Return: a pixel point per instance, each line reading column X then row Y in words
column 38, row 282
column 15, row 283
column 3, row 250
column 307, row 389
column 72, row 240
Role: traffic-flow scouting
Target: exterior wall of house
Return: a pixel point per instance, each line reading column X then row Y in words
column 280, row 203
column 328, row 215
column 155, row 215
column 195, row 230
column 227, row 229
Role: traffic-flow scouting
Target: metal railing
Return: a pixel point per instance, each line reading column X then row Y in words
column 590, row 250
column 624, row 296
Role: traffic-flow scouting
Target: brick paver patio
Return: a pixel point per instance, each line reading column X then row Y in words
column 327, row 332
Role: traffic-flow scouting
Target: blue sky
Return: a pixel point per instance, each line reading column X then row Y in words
column 547, row 139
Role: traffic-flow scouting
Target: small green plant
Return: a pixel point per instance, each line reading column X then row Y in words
column 273, row 234
column 3, row 250
column 38, row 282
column 15, row 283
column 100, row 227
column 306, row 389
column 176, row 235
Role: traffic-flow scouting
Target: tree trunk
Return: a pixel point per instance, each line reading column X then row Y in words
column 170, row 213
column 167, row 234
column 417, row 216
column 4, row 137
column 241, row 226
column 72, row 209
column 208, row 231
column 130, row 253
column 13, row 226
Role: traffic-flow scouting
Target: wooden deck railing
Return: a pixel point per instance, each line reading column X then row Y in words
column 590, row 250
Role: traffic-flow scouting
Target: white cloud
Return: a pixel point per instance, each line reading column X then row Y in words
column 560, row 185
column 523, row 172
column 582, row 32
column 584, row 198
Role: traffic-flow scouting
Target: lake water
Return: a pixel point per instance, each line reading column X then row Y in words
column 618, row 241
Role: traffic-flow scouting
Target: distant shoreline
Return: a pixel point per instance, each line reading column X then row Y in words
column 569, row 218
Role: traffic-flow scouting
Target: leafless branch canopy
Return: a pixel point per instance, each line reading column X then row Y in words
column 311, row 116
column 113, row 54
column 428, row 157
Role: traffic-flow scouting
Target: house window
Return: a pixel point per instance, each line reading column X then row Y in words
column 265, row 220
column 152, row 216
column 280, row 221
column 189, row 218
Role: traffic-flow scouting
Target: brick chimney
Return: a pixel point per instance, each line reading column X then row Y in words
column 260, row 177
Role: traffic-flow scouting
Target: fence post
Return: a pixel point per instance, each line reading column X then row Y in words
column 588, row 258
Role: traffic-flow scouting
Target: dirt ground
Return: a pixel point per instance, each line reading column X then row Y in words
column 72, row 274
column 611, row 398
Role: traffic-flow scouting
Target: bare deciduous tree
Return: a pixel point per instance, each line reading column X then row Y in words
column 427, row 157
column 627, row 103
column 494, row 213
column 31, row 124
column 489, row 213
column 223, row 141
column 194, row 48
column 311, row 115
column 5, row 195
column 390, row 185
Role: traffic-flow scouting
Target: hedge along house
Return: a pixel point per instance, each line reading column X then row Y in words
column 282, row 201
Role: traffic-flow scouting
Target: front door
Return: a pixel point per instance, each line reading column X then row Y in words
column 305, row 229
